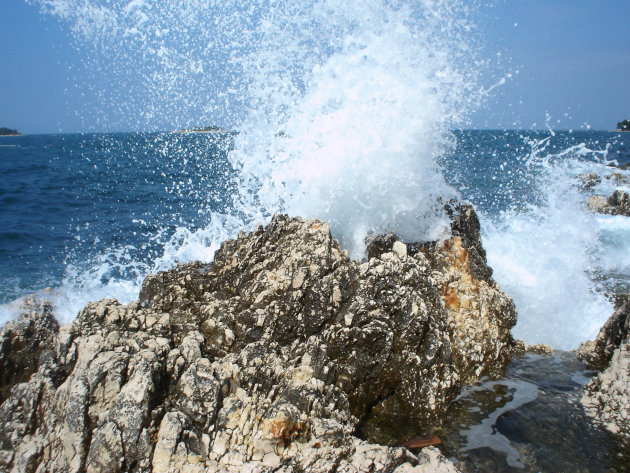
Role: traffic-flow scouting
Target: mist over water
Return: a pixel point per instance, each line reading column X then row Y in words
column 344, row 113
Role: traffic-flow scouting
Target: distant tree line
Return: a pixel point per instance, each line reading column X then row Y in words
column 624, row 125
column 8, row 131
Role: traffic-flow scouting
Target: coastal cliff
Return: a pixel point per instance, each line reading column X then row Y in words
column 268, row 359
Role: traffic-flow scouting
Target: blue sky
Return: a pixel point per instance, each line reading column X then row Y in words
column 574, row 63
column 569, row 61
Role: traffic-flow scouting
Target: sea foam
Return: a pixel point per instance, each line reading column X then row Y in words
column 544, row 255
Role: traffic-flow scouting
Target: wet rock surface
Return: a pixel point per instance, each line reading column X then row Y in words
column 616, row 204
column 618, row 178
column 607, row 395
column 269, row 359
column 588, row 180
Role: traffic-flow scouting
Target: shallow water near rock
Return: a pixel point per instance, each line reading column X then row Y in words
column 529, row 421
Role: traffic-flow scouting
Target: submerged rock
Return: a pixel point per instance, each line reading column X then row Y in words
column 607, row 395
column 267, row 359
column 617, row 204
column 588, row 180
column 618, row 178
column 623, row 167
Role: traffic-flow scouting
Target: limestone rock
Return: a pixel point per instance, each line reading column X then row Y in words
column 266, row 360
column 26, row 343
column 521, row 347
column 597, row 354
column 480, row 316
column 607, row 395
column 618, row 178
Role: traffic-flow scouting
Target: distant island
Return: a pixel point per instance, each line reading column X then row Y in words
column 9, row 132
column 623, row 125
column 203, row 129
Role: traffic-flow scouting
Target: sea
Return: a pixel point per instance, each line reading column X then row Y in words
column 88, row 216
column 357, row 113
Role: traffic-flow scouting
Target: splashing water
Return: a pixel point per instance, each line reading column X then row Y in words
column 543, row 255
column 342, row 109
column 343, row 112
column 354, row 138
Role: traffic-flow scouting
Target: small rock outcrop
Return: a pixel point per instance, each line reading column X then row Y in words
column 607, row 395
column 268, row 359
column 617, row 204
column 588, row 180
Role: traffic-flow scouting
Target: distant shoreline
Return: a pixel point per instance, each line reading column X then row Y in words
column 199, row 131
column 208, row 129
column 9, row 132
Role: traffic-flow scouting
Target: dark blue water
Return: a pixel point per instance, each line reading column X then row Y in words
column 76, row 199
column 498, row 170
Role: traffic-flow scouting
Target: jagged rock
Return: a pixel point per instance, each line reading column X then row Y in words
column 26, row 343
column 607, row 395
column 522, row 347
column 266, row 360
column 479, row 315
column 376, row 245
column 588, row 180
column 598, row 353
column 617, row 204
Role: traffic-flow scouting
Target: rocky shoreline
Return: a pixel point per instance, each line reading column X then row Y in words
column 266, row 360
column 607, row 396
column 269, row 359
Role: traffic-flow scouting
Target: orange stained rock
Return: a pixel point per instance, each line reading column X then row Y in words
column 454, row 246
column 449, row 294
column 283, row 428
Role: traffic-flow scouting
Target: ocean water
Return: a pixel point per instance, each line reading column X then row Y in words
column 89, row 216
column 529, row 422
